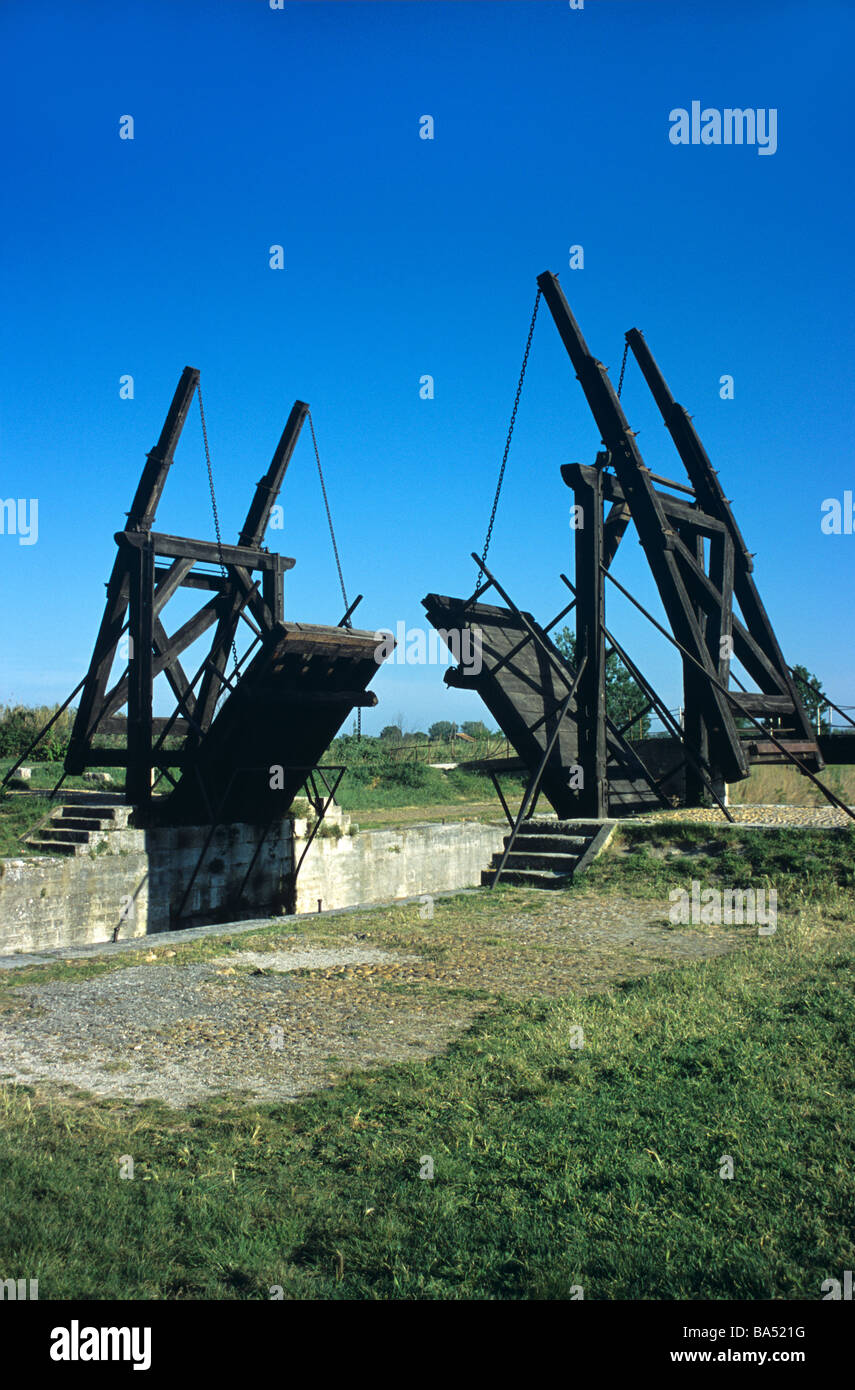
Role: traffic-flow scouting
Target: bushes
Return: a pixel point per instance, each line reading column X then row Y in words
column 375, row 778
column 369, row 763
column 19, row 725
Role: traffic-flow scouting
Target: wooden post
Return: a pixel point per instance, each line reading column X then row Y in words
column 267, row 490
column 590, row 642
column 711, row 498
column 694, row 723
column 140, row 518
column 657, row 536
column 140, row 671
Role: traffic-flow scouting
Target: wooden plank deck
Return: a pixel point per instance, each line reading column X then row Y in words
column 523, row 683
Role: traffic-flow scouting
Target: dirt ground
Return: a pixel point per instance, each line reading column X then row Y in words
column 287, row 1008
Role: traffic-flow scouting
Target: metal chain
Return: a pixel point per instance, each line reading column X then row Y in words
column 327, row 507
column 214, row 503
column 622, row 369
column 334, row 544
column 510, row 437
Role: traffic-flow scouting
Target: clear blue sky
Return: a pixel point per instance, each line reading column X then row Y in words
column 405, row 257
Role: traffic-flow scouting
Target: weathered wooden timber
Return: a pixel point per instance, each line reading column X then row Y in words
column 523, row 680
column 704, row 574
column 282, row 704
column 275, row 726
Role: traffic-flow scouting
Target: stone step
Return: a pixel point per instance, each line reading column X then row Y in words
column 59, row 847
column 522, row 859
column 550, row 844
column 81, row 798
column 87, row 823
column 548, row 853
column 51, row 835
column 94, row 812
column 581, row 826
column 529, row 878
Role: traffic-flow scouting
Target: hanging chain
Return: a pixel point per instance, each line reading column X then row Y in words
column 327, row 507
column 622, row 369
column 509, row 438
column 334, row 544
column 214, row 504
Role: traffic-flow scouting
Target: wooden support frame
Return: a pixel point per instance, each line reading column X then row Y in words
column 140, row 518
column 617, row 746
column 703, row 572
column 590, row 643
column 655, row 531
column 138, row 593
column 711, row 498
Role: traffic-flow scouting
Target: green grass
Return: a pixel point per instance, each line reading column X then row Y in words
column 404, row 785
column 20, row 813
column 554, row 1166
column 17, row 816
column 806, row 867
column 417, row 785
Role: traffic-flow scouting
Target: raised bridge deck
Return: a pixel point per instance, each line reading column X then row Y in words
column 523, row 680
column 284, row 712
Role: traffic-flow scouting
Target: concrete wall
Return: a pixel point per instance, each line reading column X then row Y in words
column 136, row 878
column 135, row 881
column 377, row 865
column 57, row 901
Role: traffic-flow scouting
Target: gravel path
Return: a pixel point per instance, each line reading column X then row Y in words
column 289, row 1008
column 821, row 817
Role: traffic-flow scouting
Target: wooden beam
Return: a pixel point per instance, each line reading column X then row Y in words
column 267, row 490
column 140, row 518
column 174, row 671
column 211, row 582
column 211, row 684
column 752, row 703
column 694, row 721
column 159, row 460
column 710, row 495
column 753, row 658
column 167, row 582
column 655, row 533
column 614, row 529
column 590, row 643
column 117, row 725
column 673, row 507
column 208, row 552
column 184, row 637
column 140, row 679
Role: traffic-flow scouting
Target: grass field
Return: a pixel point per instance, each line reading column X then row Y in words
column 555, row 1167
column 785, row 786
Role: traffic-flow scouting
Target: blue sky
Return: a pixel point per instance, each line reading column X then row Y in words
column 406, row 257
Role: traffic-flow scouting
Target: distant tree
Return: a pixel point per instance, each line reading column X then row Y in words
column 417, row 736
column 392, row 733
column 624, row 697
column 475, row 728
column 813, row 697
column 442, row 729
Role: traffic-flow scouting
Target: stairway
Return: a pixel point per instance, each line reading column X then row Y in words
column 551, row 853
column 81, row 823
